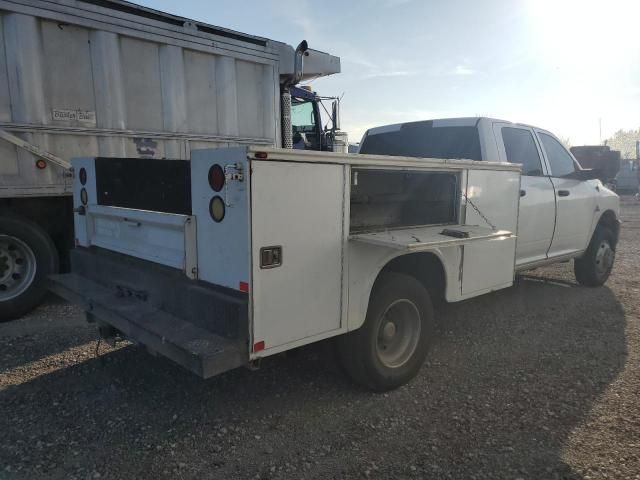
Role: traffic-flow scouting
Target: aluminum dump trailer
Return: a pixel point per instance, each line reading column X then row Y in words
column 115, row 80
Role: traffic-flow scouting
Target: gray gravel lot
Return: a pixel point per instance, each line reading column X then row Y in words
column 541, row 380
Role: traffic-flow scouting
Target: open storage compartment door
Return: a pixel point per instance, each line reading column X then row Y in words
column 493, row 197
column 467, row 215
column 419, row 239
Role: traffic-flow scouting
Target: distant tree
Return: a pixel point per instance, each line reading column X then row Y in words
column 625, row 141
column 566, row 141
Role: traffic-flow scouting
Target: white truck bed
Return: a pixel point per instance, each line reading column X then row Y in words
column 318, row 212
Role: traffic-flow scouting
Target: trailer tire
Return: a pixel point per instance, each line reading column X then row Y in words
column 594, row 267
column 389, row 349
column 27, row 257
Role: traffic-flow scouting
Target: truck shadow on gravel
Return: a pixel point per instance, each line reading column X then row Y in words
column 510, row 375
column 52, row 328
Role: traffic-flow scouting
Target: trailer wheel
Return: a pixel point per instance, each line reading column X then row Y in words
column 27, row 257
column 389, row 349
column 594, row 267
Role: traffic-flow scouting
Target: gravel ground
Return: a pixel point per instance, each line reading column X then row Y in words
column 541, row 380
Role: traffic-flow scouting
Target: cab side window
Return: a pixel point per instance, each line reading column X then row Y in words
column 303, row 118
column 520, row 147
column 560, row 161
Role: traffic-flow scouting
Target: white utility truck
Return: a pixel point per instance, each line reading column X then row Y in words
column 246, row 252
column 112, row 79
column 565, row 212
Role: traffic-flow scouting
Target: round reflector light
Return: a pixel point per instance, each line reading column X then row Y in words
column 84, row 198
column 41, row 164
column 216, row 177
column 217, row 208
column 83, row 176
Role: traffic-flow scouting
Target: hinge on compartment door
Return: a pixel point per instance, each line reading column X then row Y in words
column 234, row 171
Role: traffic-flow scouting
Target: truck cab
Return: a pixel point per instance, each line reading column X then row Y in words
column 308, row 131
column 563, row 207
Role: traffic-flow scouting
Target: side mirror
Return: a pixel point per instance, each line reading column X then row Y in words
column 335, row 114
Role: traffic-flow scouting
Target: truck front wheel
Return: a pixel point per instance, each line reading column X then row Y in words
column 27, row 257
column 389, row 349
column 594, row 267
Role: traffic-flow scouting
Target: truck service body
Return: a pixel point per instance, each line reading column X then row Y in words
column 113, row 79
column 285, row 251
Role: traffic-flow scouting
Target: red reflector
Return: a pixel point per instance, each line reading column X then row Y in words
column 261, row 155
column 244, row 287
column 41, row 164
column 258, row 346
column 83, row 176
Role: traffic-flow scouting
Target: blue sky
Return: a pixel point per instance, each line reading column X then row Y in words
column 564, row 65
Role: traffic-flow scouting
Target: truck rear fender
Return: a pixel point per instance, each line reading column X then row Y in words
column 427, row 267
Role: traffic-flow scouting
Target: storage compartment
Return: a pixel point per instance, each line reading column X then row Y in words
column 144, row 184
column 385, row 199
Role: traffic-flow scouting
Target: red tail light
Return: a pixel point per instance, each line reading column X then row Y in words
column 216, row 177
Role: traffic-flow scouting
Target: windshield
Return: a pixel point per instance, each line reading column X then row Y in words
column 422, row 139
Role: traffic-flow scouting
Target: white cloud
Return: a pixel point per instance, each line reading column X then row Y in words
column 462, row 70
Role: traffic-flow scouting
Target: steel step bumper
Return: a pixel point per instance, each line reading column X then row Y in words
column 204, row 353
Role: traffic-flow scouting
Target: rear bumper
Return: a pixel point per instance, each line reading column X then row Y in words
column 197, row 326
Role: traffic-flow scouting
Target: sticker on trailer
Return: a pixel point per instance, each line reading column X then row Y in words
column 81, row 116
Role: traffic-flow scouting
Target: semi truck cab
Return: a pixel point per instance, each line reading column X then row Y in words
column 308, row 130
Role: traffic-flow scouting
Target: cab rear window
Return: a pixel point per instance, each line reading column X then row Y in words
column 422, row 139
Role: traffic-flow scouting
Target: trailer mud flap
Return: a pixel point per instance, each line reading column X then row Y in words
column 195, row 348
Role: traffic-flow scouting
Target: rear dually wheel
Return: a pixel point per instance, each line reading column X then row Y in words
column 389, row 349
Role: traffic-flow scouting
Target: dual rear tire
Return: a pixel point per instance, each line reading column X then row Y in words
column 391, row 346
